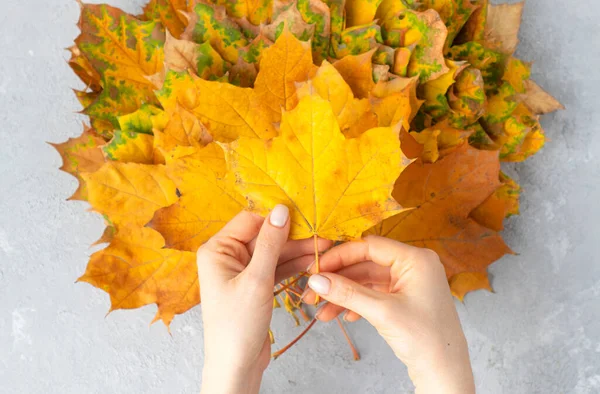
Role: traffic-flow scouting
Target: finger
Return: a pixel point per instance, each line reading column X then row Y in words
column 270, row 242
column 382, row 251
column 243, row 227
column 297, row 248
column 346, row 293
column 351, row 317
column 365, row 273
column 293, row 267
column 328, row 312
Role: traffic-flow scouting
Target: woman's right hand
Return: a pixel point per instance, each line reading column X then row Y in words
column 403, row 292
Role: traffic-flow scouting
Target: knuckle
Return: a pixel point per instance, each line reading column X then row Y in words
column 430, row 255
column 346, row 294
column 268, row 242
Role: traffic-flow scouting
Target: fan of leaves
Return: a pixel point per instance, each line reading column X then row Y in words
column 363, row 116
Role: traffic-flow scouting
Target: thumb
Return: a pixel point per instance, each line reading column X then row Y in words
column 344, row 292
column 271, row 239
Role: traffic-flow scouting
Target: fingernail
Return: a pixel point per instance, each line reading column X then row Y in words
column 279, row 215
column 345, row 316
column 304, row 293
column 320, row 284
column 319, row 310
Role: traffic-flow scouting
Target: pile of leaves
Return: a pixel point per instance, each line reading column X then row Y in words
column 362, row 116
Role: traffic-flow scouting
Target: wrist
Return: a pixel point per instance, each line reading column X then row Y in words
column 230, row 380
column 446, row 370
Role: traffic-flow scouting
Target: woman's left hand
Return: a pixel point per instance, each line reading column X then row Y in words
column 238, row 268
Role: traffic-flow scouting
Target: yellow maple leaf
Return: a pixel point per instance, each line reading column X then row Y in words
column 227, row 111
column 337, row 198
column 354, row 115
column 208, row 198
column 136, row 270
column 130, row 193
column 282, row 65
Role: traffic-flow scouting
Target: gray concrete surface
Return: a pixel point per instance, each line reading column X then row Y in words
column 539, row 333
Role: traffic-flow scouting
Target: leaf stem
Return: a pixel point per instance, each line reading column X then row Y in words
column 288, row 285
column 317, row 264
column 289, row 345
column 352, row 347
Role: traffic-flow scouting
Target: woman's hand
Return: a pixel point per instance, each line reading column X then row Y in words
column 238, row 268
column 402, row 291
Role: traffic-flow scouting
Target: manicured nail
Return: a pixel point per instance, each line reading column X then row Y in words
column 304, row 293
column 319, row 310
column 320, row 284
column 345, row 316
column 279, row 215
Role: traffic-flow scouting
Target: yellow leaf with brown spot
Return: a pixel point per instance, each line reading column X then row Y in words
column 334, row 199
column 129, row 193
column 208, row 199
column 136, row 270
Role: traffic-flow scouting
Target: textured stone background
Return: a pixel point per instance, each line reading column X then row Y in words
column 539, row 333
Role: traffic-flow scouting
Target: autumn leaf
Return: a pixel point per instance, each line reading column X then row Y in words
column 316, row 105
column 81, row 155
column 395, row 102
column 123, row 51
column 502, row 27
column 226, row 110
column 538, row 100
column 282, row 65
column 357, row 71
column 336, row 200
column 439, row 140
column 426, row 33
column 136, row 270
column 129, row 193
column 466, row 282
column 443, row 195
column 84, row 70
column 170, row 13
column 201, row 59
column 183, row 129
column 208, row 199
column 210, row 24
column 503, row 203
column 354, row 116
